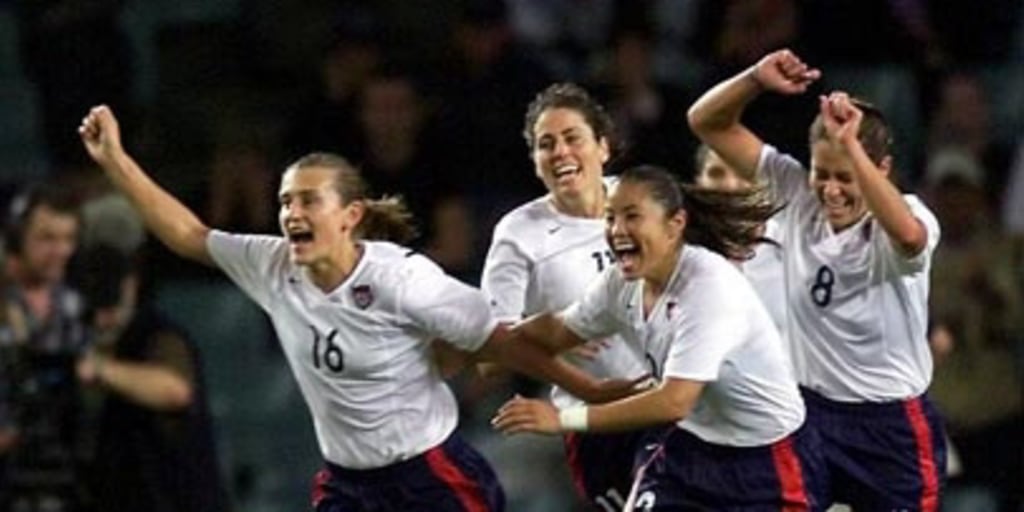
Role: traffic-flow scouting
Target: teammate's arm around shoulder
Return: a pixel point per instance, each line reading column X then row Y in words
column 173, row 223
column 716, row 116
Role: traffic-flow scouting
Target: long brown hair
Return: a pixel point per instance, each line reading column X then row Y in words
column 727, row 222
column 385, row 218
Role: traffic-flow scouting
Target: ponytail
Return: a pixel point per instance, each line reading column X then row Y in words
column 730, row 223
column 386, row 218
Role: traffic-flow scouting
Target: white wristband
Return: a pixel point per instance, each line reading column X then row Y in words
column 573, row 419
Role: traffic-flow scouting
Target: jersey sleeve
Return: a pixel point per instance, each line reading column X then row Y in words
column 442, row 306
column 917, row 262
column 785, row 176
column 505, row 278
column 594, row 315
column 702, row 340
column 247, row 260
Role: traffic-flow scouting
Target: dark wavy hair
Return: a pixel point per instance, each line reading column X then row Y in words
column 573, row 97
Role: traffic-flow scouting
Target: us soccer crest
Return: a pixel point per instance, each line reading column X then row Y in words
column 362, row 295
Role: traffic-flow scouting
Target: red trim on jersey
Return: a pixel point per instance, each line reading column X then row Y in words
column 925, row 454
column 572, row 455
column 319, row 486
column 466, row 490
column 791, row 479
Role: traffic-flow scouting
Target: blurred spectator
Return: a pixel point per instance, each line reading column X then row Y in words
column 975, row 294
column 650, row 115
column 961, row 118
column 834, row 32
column 242, row 185
column 733, row 34
column 564, row 33
column 154, row 445
column 327, row 123
column 485, row 90
column 1013, row 200
column 452, row 241
column 973, row 32
column 76, row 54
column 40, row 337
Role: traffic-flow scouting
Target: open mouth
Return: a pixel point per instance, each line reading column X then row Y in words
column 566, row 171
column 626, row 253
column 300, row 237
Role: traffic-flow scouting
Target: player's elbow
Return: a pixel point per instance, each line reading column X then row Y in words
column 705, row 122
column 911, row 239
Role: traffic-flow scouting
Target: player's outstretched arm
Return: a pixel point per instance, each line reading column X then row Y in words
column 670, row 402
column 174, row 224
column 716, row 116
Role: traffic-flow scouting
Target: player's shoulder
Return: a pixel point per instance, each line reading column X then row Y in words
column 393, row 263
column 702, row 268
column 526, row 220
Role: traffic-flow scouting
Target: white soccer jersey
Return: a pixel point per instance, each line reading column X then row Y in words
column 709, row 326
column 361, row 353
column 858, row 309
column 764, row 271
column 542, row 260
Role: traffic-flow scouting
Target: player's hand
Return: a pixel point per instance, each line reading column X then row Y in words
column 783, row 72
column 522, row 415
column 840, row 117
column 88, row 367
column 101, row 135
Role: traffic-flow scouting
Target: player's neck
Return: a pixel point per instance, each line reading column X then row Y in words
column 329, row 273
column 589, row 204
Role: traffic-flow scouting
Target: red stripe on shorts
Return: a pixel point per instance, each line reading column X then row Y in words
column 791, row 479
column 925, row 454
column 466, row 490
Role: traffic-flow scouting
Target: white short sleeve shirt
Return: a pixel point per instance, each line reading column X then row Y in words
column 858, row 309
column 361, row 353
column 708, row 326
column 541, row 260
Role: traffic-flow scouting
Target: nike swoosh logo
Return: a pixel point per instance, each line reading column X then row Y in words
column 554, row 230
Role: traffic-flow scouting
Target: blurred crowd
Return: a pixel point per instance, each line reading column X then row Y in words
column 102, row 392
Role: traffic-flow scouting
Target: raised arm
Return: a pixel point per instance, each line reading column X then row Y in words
column 174, row 224
column 716, row 116
column 842, row 123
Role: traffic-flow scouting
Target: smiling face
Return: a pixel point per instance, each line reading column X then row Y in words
column 641, row 232
column 313, row 216
column 716, row 174
column 835, row 185
column 567, row 156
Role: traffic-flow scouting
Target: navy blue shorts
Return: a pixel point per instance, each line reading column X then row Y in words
column 450, row 477
column 602, row 466
column 881, row 456
column 684, row 473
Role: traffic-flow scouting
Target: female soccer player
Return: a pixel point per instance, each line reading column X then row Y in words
column 545, row 253
column 857, row 259
column 737, row 442
column 355, row 318
column 764, row 268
